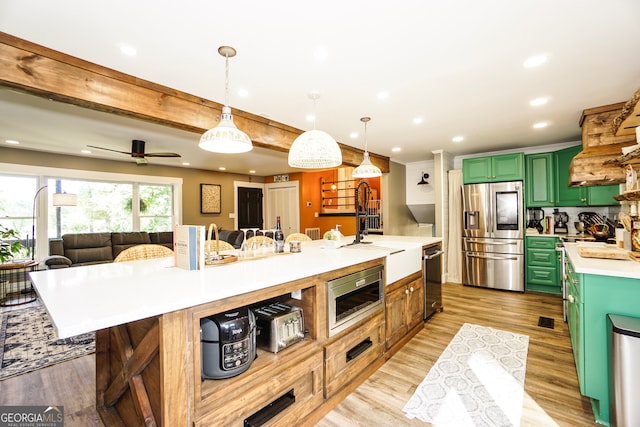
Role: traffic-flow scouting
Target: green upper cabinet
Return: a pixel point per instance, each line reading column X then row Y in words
column 505, row 167
column 540, row 182
column 601, row 195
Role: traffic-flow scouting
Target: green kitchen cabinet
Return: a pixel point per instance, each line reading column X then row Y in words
column 590, row 298
column 601, row 195
column 540, row 182
column 504, row 167
column 542, row 271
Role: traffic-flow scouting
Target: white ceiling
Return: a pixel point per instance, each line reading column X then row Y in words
column 457, row 64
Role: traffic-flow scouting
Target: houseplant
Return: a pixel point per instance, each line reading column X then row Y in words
column 10, row 244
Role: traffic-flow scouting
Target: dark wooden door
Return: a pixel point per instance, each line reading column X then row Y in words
column 250, row 208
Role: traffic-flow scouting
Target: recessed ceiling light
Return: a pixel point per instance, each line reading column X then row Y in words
column 418, row 120
column 128, row 50
column 243, row 93
column 85, row 151
column 310, row 117
column 252, row 171
column 457, row 138
column 540, row 125
column 535, row 61
column 321, row 53
column 12, row 141
column 186, row 164
column 396, row 149
column 222, row 168
column 383, row 95
column 539, row 101
column 353, row 135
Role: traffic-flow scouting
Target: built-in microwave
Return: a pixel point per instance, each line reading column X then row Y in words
column 353, row 297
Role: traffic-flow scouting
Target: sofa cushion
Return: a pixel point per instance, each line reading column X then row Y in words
column 125, row 240
column 164, row 238
column 88, row 248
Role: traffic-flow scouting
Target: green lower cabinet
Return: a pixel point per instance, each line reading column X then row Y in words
column 589, row 301
column 542, row 265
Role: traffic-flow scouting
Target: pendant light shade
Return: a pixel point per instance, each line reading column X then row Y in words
column 366, row 168
column 226, row 137
column 315, row 149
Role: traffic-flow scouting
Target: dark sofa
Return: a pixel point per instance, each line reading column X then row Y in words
column 98, row 248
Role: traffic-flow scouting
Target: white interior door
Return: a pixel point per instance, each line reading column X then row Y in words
column 282, row 199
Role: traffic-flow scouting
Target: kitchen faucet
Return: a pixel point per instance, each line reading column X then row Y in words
column 367, row 194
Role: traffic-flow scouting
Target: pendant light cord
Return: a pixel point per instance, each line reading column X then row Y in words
column 226, row 81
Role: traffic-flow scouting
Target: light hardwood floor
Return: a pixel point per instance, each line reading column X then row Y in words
column 551, row 387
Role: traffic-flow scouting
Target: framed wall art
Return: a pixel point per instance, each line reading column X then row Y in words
column 210, row 199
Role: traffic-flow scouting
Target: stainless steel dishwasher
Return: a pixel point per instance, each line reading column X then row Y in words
column 432, row 276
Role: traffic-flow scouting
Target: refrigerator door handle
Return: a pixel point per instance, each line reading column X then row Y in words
column 491, row 242
column 471, row 255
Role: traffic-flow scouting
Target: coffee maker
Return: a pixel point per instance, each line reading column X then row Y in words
column 560, row 222
column 534, row 218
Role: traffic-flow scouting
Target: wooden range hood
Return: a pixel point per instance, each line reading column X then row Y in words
column 605, row 131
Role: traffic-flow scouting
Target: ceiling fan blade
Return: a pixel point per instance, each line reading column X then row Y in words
column 162, row 155
column 109, row 149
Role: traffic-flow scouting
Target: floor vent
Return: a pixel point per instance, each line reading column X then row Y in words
column 545, row 322
column 314, row 233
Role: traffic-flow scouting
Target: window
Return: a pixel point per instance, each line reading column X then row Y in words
column 105, row 202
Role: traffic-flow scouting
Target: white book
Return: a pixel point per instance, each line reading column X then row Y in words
column 189, row 243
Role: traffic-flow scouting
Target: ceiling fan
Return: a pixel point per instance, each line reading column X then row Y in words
column 137, row 152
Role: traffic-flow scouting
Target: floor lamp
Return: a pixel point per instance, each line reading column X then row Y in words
column 59, row 199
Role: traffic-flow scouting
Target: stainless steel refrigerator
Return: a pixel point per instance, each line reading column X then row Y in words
column 493, row 235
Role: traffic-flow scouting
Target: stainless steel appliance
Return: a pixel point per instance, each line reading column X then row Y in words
column 563, row 277
column 279, row 326
column 432, row 276
column 353, row 297
column 493, row 235
column 560, row 220
column 227, row 343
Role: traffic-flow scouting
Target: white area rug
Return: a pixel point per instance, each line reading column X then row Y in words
column 478, row 380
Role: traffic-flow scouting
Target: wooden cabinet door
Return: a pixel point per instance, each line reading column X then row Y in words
column 415, row 303
column 540, row 182
column 396, row 319
column 476, row 170
column 508, row 167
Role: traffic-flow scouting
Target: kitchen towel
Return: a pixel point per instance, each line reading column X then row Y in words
column 477, row 381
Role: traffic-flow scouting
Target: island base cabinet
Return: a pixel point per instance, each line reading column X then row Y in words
column 353, row 353
column 289, row 393
column 404, row 308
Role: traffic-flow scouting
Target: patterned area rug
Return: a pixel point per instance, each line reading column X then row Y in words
column 477, row 381
column 27, row 342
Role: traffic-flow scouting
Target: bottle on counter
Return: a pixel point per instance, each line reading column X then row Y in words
column 278, row 237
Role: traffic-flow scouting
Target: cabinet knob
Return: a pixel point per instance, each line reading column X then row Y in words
column 411, row 289
column 406, row 291
column 571, row 298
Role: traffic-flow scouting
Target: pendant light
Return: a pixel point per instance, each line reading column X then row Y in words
column 366, row 168
column 315, row 149
column 226, row 137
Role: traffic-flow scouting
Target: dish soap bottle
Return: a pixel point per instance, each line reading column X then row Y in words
column 333, row 238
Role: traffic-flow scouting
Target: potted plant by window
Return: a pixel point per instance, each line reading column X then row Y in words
column 10, row 245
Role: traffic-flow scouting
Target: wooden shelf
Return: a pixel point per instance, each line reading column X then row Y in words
column 630, row 196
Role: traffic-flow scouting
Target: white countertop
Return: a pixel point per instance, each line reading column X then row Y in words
column 88, row 298
column 600, row 266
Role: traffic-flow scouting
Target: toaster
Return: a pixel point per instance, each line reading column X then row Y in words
column 278, row 326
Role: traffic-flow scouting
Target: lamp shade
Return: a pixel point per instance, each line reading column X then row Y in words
column 315, row 149
column 366, row 168
column 226, row 137
column 65, row 199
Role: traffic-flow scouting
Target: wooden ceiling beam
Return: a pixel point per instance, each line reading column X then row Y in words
column 44, row 72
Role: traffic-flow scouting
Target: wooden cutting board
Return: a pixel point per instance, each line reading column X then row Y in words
column 605, row 251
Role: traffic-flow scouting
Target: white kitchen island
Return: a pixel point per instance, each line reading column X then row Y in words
column 146, row 314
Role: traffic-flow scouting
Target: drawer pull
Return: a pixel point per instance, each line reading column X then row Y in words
column 271, row 410
column 359, row 349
